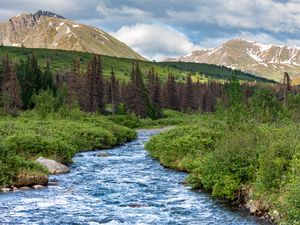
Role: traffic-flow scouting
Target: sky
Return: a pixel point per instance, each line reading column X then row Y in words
column 168, row 28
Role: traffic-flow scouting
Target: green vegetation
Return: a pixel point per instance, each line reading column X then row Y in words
column 57, row 136
column 60, row 61
column 213, row 71
column 242, row 152
column 170, row 118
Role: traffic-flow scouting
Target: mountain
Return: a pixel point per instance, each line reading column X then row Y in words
column 61, row 61
column 45, row 29
column 269, row 61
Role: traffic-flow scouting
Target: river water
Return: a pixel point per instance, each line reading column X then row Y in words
column 127, row 187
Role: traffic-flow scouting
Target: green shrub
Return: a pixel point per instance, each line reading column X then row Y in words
column 11, row 165
column 57, row 136
column 32, row 145
column 173, row 146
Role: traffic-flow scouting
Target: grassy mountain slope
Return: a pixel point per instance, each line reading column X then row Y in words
column 62, row 60
column 213, row 71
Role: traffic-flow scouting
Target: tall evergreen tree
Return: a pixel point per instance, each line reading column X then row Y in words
column 156, row 94
column 47, row 78
column 188, row 102
column 137, row 101
column 95, row 85
column 172, row 96
column 26, row 80
column 114, row 92
column 11, row 91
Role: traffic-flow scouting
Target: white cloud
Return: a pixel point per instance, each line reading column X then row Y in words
column 155, row 41
column 268, row 15
column 104, row 10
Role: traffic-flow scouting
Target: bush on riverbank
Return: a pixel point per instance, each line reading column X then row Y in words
column 224, row 159
column 55, row 136
column 171, row 118
column 245, row 148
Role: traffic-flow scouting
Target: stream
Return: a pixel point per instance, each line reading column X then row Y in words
column 127, row 187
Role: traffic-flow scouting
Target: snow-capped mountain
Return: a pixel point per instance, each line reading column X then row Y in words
column 45, row 29
column 269, row 61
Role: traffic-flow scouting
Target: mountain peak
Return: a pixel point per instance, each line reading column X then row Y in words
column 45, row 29
column 267, row 60
column 40, row 13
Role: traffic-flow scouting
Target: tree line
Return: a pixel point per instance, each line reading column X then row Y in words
column 144, row 95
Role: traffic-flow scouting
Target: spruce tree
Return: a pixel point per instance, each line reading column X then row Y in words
column 172, row 96
column 95, row 86
column 114, row 92
column 188, row 102
column 11, row 91
column 137, row 93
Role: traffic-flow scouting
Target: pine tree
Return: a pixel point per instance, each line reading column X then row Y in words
column 114, row 92
column 95, row 86
column 172, row 97
column 73, row 84
column 100, row 84
column 47, row 79
column 156, row 95
column 5, row 70
column 188, row 102
column 154, row 87
column 137, row 93
column 287, row 87
column 11, row 91
column 32, row 80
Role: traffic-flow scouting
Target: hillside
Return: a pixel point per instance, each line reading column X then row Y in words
column 214, row 71
column 269, row 61
column 62, row 60
column 44, row 29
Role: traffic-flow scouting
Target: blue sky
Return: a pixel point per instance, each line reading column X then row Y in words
column 166, row 28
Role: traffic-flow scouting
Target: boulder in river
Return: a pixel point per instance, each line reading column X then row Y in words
column 4, row 189
column 53, row 166
column 103, row 154
column 137, row 205
column 38, row 187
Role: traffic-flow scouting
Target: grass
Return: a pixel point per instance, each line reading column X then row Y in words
column 57, row 137
column 62, row 61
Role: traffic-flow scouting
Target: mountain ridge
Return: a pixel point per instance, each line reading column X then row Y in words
column 269, row 61
column 45, row 29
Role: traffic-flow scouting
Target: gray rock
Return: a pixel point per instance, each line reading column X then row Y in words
column 53, row 166
column 253, row 209
column 103, row 154
column 137, row 205
column 4, row 189
column 38, row 187
column 53, row 183
column 25, row 188
column 15, row 189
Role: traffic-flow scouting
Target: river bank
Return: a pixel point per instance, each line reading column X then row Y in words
column 125, row 187
column 254, row 165
column 28, row 137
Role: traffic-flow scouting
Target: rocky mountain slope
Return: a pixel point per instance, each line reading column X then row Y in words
column 48, row 30
column 269, row 61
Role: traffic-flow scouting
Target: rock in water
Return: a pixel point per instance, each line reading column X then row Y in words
column 53, row 166
column 4, row 189
column 137, row 205
column 103, row 155
column 38, row 187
